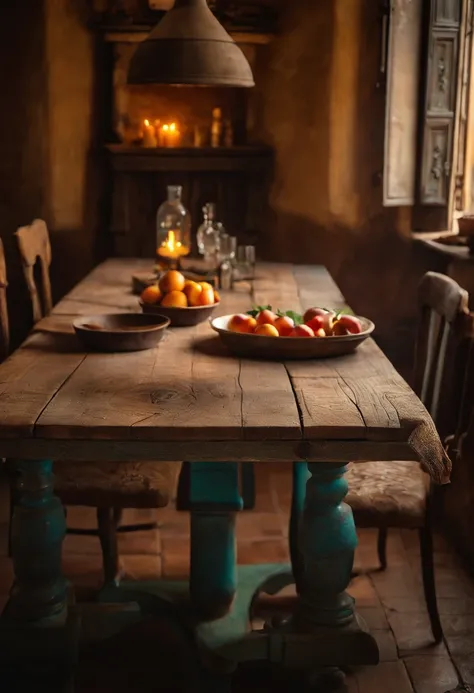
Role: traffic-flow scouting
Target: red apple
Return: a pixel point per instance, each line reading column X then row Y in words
column 316, row 323
column 284, row 325
column 313, row 312
column 349, row 323
column 320, row 333
column 302, row 331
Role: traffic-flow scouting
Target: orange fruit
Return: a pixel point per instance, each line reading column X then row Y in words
column 206, row 297
column 172, row 281
column 151, row 295
column 192, row 290
column 267, row 330
column 284, row 325
column 217, row 297
column 175, row 299
column 206, row 285
column 266, row 317
column 242, row 323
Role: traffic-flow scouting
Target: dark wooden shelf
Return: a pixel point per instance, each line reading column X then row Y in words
column 238, row 158
column 134, row 33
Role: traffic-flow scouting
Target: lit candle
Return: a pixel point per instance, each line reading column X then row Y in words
column 172, row 248
column 169, row 135
column 174, row 136
column 149, row 137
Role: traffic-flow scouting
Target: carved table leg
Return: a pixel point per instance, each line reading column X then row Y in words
column 37, row 636
column 332, row 633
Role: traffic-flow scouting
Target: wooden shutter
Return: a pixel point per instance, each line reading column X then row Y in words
column 402, row 102
column 442, row 20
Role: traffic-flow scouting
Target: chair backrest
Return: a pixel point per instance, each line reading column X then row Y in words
column 4, row 325
column 442, row 349
column 34, row 246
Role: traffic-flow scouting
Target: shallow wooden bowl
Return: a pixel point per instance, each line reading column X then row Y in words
column 121, row 331
column 181, row 317
column 289, row 348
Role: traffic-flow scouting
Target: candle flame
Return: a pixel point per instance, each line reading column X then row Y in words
column 173, row 127
column 166, row 128
column 171, row 247
column 147, row 123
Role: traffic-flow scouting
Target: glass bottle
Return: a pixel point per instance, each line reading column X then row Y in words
column 173, row 227
column 208, row 233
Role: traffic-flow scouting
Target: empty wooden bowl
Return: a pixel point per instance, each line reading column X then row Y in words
column 181, row 317
column 121, row 331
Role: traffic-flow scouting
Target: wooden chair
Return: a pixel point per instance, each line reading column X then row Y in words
column 110, row 487
column 4, row 324
column 399, row 494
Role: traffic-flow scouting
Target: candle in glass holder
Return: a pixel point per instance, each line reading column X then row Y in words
column 149, row 136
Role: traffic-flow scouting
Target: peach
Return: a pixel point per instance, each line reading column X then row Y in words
column 242, row 323
column 267, row 330
column 284, row 325
column 266, row 317
column 302, row 331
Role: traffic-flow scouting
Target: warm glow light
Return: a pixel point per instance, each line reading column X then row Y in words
column 173, row 127
column 172, row 248
column 169, row 135
column 147, row 123
column 166, row 128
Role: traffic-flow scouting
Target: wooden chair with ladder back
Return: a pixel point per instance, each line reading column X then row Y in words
column 108, row 486
column 399, row 494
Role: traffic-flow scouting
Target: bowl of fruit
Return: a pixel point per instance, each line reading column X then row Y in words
column 183, row 301
column 318, row 333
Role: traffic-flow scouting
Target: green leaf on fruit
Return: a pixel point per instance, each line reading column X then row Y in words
column 255, row 310
column 296, row 317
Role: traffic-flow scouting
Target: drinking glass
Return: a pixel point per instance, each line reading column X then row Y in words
column 227, row 247
column 245, row 261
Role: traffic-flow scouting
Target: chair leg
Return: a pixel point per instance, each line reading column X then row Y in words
column 382, row 547
column 429, row 585
column 107, row 529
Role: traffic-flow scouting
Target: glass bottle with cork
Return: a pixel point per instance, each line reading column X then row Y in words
column 173, row 229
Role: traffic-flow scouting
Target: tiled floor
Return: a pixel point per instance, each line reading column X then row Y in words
column 391, row 602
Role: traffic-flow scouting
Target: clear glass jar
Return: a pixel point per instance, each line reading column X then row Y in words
column 208, row 233
column 173, row 226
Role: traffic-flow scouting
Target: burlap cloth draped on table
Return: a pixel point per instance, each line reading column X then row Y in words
column 434, row 460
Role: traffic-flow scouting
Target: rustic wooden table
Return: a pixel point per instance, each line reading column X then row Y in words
column 190, row 400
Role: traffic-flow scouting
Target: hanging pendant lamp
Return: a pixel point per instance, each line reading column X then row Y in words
column 190, row 46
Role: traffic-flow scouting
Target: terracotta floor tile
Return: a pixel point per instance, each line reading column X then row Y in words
column 459, row 633
column 387, row 646
column 147, row 543
column 413, row 634
column 259, row 526
column 362, row 589
column 387, row 677
column 266, row 551
column 431, row 674
column 374, row 617
column 465, row 664
column 141, row 567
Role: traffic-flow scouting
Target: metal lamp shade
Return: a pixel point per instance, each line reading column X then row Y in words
column 189, row 46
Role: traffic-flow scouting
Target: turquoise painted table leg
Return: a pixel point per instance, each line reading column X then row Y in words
column 38, row 635
column 332, row 633
column 300, row 478
column 214, row 500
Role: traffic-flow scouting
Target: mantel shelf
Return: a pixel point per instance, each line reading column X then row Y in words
column 198, row 159
column 138, row 33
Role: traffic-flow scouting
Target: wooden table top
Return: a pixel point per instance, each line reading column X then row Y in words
column 188, row 398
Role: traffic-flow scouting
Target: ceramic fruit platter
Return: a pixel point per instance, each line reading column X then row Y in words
column 318, row 333
column 184, row 301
